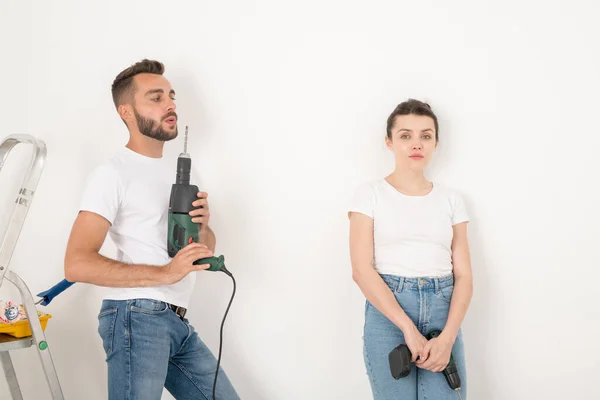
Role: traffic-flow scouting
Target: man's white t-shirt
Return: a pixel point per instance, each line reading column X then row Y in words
column 412, row 234
column 132, row 192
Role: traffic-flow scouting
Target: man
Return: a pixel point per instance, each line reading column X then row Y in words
column 148, row 342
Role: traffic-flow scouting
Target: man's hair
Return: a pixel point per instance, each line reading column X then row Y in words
column 412, row 107
column 123, row 87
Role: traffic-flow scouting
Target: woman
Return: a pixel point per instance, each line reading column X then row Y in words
column 410, row 257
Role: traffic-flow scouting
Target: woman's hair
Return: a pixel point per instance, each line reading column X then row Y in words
column 414, row 107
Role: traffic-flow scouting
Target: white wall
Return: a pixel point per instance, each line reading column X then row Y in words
column 309, row 85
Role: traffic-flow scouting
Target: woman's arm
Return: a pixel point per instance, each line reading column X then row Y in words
column 372, row 285
column 463, row 281
column 437, row 351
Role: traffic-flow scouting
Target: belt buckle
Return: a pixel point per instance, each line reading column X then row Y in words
column 180, row 311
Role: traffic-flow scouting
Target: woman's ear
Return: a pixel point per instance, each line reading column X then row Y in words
column 388, row 142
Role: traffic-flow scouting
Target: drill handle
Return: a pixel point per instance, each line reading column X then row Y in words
column 216, row 263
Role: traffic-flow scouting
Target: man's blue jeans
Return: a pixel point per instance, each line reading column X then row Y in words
column 148, row 348
column 426, row 301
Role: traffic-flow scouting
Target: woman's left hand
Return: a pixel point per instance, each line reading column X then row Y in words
column 437, row 354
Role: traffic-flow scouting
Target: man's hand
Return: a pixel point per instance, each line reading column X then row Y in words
column 436, row 354
column 183, row 262
column 201, row 215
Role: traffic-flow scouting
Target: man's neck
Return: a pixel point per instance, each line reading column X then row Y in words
column 146, row 146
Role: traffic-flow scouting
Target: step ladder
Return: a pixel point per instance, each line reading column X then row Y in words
column 22, row 203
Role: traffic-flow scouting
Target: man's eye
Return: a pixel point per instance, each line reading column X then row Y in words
column 155, row 98
column 404, row 137
column 427, row 136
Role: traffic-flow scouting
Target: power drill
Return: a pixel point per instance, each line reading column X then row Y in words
column 400, row 358
column 182, row 231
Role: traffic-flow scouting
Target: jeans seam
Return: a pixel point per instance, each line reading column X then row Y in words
column 128, row 351
column 111, row 330
column 370, row 371
column 190, row 377
column 423, row 392
column 189, row 335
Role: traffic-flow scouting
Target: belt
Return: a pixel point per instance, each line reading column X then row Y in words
column 180, row 311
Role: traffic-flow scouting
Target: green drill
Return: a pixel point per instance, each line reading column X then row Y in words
column 181, row 230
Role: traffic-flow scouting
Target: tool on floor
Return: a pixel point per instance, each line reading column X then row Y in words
column 182, row 231
column 400, row 364
column 33, row 333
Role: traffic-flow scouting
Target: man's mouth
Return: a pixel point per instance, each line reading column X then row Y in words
column 171, row 120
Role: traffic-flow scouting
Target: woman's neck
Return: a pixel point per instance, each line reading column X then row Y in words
column 409, row 182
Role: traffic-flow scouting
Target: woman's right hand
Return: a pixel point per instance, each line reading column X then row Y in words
column 415, row 342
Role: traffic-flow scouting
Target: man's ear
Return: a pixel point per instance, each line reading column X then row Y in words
column 126, row 112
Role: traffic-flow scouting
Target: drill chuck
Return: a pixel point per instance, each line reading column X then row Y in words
column 184, row 166
column 450, row 372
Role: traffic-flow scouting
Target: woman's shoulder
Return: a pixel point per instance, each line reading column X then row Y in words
column 447, row 190
column 451, row 194
column 371, row 186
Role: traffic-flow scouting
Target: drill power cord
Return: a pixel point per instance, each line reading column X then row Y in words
column 225, row 270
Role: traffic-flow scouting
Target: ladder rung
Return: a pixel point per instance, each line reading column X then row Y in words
column 8, row 342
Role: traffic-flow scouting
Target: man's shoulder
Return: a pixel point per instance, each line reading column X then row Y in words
column 110, row 167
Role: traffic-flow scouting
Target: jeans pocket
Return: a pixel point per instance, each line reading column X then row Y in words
column 446, row 293
column 107, row 319
column 149, row 306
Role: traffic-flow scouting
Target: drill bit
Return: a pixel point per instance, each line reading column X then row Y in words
column 459, row 396
column 185, row 140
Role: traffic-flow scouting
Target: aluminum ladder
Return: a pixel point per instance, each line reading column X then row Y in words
column 22, row 203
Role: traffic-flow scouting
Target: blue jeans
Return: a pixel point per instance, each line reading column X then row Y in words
column 148, row 348
column 427, row 302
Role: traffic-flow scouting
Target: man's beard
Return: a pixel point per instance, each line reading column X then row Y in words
column 147, row 127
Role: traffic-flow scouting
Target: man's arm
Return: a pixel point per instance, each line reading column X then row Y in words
column 207, row 237
column 463, row 281
column 83, row 263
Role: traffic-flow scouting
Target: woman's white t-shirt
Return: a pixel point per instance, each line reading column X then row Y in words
column 412, row 234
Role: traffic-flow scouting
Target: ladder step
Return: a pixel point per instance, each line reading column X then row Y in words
column 8, row 342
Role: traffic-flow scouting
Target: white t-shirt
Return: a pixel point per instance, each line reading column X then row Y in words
column 132, row 192
column 412, row 234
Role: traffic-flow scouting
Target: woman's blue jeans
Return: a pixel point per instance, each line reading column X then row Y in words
column 427, row 302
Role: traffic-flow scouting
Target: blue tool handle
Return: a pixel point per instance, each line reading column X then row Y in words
column 50, row 294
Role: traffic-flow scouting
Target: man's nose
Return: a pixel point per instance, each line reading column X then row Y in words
column 171, row 105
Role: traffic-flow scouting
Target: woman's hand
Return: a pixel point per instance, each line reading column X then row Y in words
column 415, row 342
column 436, row 354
